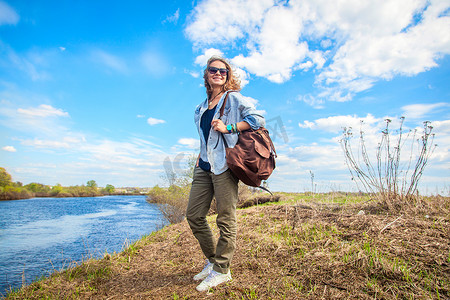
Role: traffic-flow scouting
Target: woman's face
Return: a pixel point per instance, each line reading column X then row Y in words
column 216, row 79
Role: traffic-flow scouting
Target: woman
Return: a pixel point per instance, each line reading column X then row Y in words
column 212, row 178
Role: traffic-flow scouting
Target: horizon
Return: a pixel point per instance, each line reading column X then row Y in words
column 112, row 98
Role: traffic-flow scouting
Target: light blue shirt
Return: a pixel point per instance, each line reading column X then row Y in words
column 238, row 108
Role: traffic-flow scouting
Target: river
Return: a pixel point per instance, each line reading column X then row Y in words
column 42, row 235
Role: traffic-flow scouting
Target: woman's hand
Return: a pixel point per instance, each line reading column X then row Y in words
column 218, row 125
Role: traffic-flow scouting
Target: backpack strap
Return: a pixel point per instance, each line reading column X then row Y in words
column 224, row 102
column 265, row 189
column 220, row 116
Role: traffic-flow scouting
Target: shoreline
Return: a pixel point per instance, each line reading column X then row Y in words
column 79, row 196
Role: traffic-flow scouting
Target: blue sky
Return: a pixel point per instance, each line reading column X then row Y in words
column 106, row 90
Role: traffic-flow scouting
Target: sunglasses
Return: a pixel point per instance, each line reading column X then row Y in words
column 213, row 70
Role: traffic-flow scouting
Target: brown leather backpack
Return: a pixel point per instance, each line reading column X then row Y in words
column 253, row 158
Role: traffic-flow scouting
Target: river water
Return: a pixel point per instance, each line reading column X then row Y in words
column 42, row 235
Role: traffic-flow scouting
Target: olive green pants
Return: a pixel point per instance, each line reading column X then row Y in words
column 224, row 188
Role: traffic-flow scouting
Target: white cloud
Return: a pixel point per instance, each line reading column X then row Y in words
column 130, row 153
column 243, row 76
column 441, row 129
column 72, row 141
column 152, row 121
column 326, row 43
column 7, row 14
column 109, row 60
column 418, row 111
column 48, row 144
column 194, row 74
column 441, row 126
column 43, row 120
column 312, row 157
column 274, row 55
column 43, row 111
column 350, row 44
column 235, row 21
column 336, row 124
column 190, row 143
column 30, row 63
column 173, row 18
column 9, row 149
column 251, row 102
column 312, row 100
column 203, row 59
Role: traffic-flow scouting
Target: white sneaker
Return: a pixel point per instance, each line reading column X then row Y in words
column 205, row 272
column 214, row 279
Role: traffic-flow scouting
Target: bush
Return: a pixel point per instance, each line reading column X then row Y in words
column 172, row 201
column 258, row 200
column 38, row 189
column 13, row 193
column 390, row 177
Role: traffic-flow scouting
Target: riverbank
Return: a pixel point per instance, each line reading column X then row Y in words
column 300, row 247
column 10, row 190
column 67, row 195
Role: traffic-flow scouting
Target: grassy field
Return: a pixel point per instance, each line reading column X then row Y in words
column 323, row 246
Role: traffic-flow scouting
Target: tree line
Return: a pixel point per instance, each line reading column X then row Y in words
column 10, row 190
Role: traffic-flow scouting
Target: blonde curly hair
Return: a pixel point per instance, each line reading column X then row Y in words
column 232, row 82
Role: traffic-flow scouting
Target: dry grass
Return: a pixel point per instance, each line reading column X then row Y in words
column 289, row 250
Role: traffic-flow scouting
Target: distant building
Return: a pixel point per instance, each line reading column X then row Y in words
column 132, row 190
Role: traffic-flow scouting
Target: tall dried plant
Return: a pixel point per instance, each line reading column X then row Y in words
column 390, row 177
